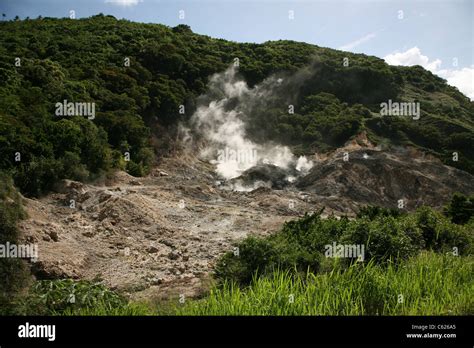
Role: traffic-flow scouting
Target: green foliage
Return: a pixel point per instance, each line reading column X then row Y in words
column 323, row 122
column 14, row 274
column 387, row 236
column 104, row 309
column 431, row 284
column 170, row 67
column 460, row 209
column 384, row 238
column 255, row 255
column 371, row 212
column 441, row 235
column 55, row 297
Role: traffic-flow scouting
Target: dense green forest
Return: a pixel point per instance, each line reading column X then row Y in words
column 45, row 61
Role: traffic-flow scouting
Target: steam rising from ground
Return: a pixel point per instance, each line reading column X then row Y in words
column 220, row 119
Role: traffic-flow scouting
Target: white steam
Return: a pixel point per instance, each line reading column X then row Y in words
column 303, row 165
column 220, row 120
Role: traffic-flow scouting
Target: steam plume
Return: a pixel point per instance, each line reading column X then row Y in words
column 221, row 118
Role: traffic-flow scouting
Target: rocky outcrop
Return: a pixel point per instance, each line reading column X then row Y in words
column 370, row 176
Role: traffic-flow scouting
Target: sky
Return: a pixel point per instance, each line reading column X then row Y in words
column 436, row 34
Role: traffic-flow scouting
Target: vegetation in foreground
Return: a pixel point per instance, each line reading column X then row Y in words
column 14, row 273
column 388, row 236
column 428, row 284
column 68, row 297
column 416, row 264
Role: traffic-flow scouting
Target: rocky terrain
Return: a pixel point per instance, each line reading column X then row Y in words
column 160, row 233
column 383, row 178
column 158, row 236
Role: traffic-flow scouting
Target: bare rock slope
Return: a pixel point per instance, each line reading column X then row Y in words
column 370, row 176
column 153, row 236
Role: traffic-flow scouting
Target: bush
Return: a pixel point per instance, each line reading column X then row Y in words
column 14, row 273
column 53, row 297
column 461, row 208
column 135, row 169
column 371, row 212
column 385, row 238
column 255, row 255
column 388, row 236
column 442, row 235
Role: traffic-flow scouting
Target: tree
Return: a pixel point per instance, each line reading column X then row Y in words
column 13, row 271
column 460, row 209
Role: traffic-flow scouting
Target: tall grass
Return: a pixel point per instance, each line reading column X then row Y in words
column 428, row 284
column 103, row 309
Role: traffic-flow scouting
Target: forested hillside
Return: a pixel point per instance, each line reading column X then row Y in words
column 138, row 75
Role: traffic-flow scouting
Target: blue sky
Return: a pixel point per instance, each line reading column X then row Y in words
column 436, row 34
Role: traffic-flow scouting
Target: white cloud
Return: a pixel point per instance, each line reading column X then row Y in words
column 411, row 57
column 463, row 78
column 124, row 3
column 357, row 42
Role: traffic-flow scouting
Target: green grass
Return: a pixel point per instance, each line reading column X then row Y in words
column 103, row 309
column 431, row 284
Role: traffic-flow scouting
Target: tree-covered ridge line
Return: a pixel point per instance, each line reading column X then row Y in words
column 46, row 61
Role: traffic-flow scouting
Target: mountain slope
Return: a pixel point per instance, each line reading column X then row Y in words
column 138, row 104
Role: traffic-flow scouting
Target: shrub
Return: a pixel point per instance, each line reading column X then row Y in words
column 384, row 238
column 14, row 273
column 255, row 255
column 371, row 212
column 442, row 235
column 135, row 169
column 461, row 208
column 52, row 297
column 387, row 236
